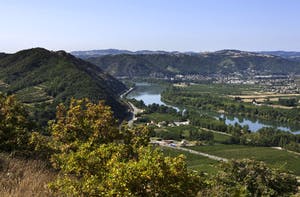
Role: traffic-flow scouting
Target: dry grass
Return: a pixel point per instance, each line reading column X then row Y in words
column 24, row 177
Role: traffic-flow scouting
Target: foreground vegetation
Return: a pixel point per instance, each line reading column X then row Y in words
column 21, row 176
column 94, row 156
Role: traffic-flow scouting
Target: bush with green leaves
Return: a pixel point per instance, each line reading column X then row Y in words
column 96, row 157
column 15, row 126
column 253, row 178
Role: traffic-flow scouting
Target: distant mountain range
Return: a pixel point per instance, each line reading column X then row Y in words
column 97, row 53
column 291, row 55
column 157, row 63
column 42, row 79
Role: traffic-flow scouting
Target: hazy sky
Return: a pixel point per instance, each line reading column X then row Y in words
column 183, row 25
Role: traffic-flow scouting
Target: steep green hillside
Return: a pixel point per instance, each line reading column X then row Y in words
column 220, row 62
column 42, row 79
column 128, row 65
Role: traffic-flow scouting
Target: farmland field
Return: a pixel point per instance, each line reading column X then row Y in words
column 276, row 158
column 194, row 162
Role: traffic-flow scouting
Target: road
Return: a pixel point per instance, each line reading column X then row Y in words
column 134, row 110
column 127, row 92
column 197, row 153
column 223, row 133
column 283, row 149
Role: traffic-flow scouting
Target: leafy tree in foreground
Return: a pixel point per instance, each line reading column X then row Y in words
column 14, row 124
column 97, row 158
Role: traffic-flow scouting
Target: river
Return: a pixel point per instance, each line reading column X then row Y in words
column 151, row 93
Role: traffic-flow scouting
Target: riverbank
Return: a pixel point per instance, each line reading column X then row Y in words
column 123, row 95
column 132, row 108
column 135, row 111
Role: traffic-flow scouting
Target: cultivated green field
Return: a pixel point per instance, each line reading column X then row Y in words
column 194, row 162
column 245, row 92
column 276, row 158
column 220, row 138
column 158, row 117
column 223, row 89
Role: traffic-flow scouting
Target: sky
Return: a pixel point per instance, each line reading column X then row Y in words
column 171, row 25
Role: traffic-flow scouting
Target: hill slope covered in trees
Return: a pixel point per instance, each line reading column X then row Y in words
column 220, row 62
column 42, row 79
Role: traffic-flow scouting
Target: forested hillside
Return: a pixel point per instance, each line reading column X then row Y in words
column 220, row 62
column 42, row 79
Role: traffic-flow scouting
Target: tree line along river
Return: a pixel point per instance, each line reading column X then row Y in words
column 150, row 93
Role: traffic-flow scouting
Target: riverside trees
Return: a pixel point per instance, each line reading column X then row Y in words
column 213, row 101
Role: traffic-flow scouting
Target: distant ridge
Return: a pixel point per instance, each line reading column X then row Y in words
column 157, row 63
column 102, row 52
column 291, row 55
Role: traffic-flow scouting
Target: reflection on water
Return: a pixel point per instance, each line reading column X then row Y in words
column 151, row 93
column 254, row 125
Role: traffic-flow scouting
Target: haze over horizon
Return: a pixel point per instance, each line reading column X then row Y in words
column 208, row 25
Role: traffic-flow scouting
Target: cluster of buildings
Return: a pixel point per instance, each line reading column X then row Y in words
column 174, row 143
column 169, row 124
column 192, row 77
column 277, row 83
column 284, row 84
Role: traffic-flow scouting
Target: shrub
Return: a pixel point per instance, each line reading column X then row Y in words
column 96, row 157
column 14, row 124
column 254, row 178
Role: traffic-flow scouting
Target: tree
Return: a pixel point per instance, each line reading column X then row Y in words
column 254, row 178
column 82, row 122
column 14, row 124
column 96, row 157
column 206, row 135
